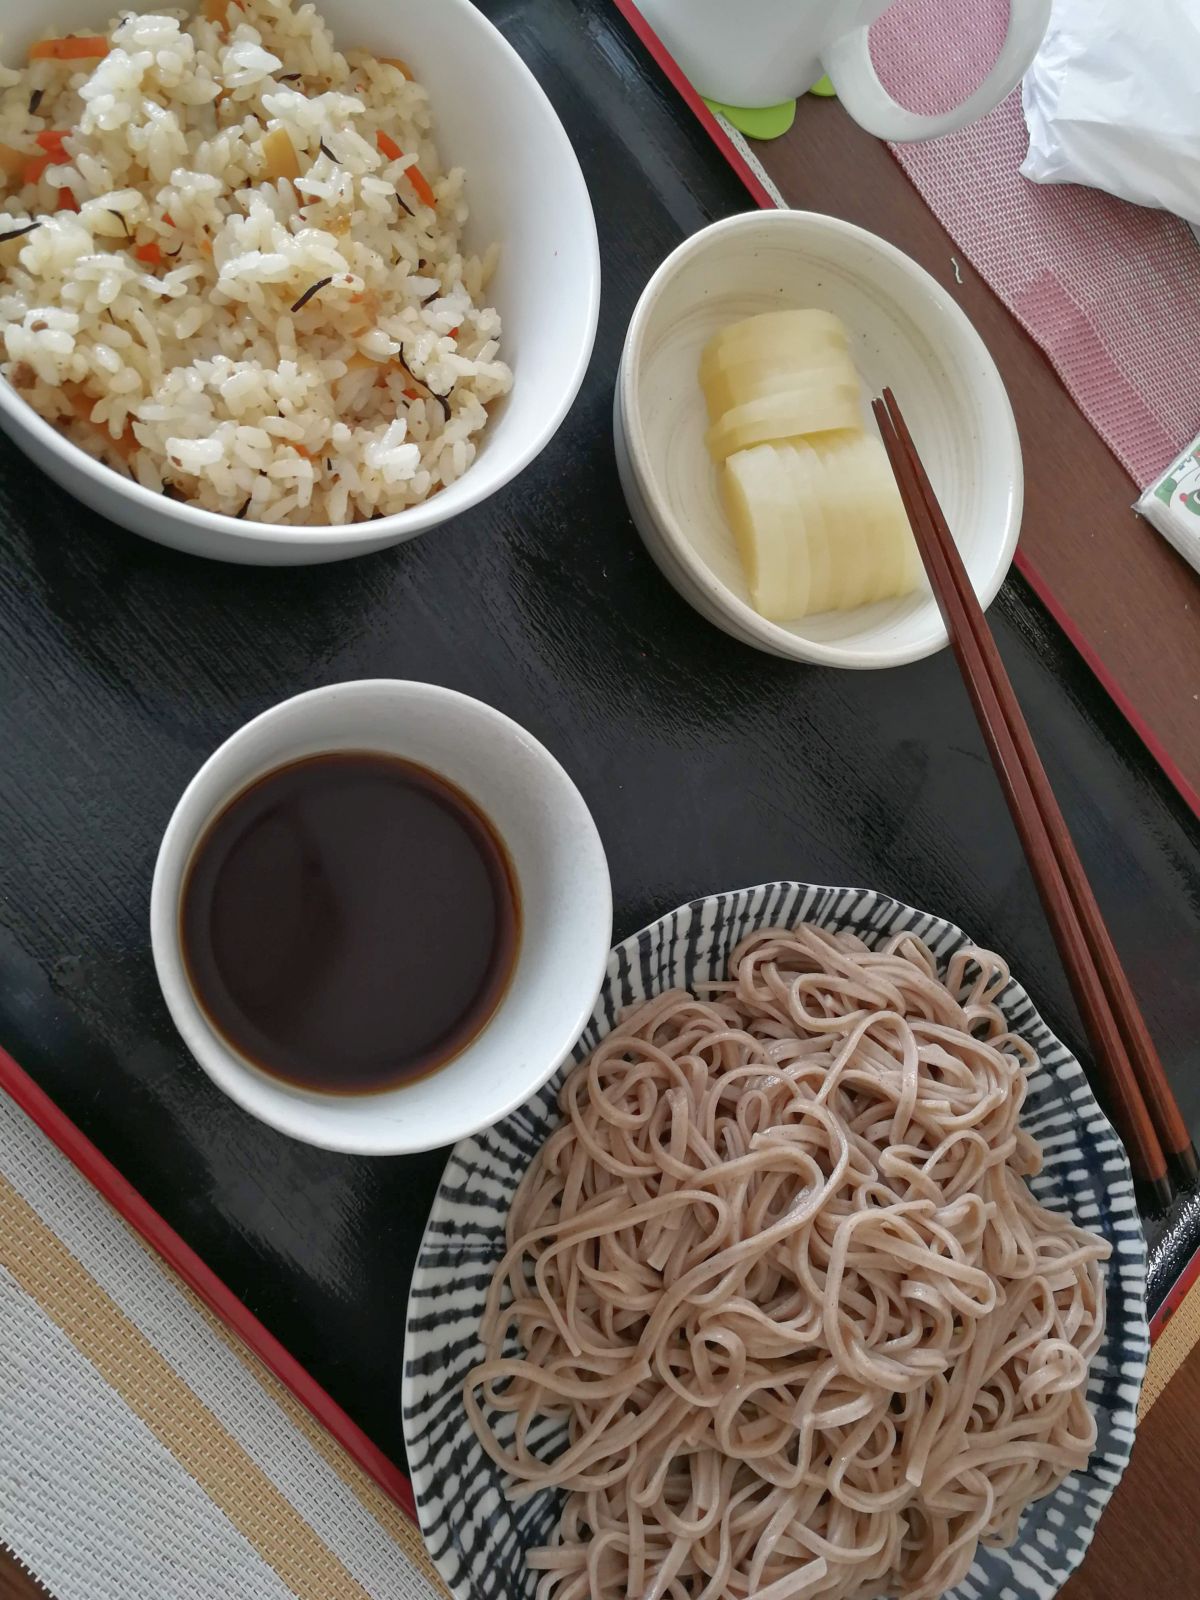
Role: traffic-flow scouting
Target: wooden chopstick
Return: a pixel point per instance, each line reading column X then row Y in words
column 1147, row 1069
column 1133, row 1076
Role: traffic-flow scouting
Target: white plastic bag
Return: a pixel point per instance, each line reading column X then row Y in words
column 1113, row 101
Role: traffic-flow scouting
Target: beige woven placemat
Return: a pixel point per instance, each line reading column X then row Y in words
column 1176, row 1333
column 145, row 1452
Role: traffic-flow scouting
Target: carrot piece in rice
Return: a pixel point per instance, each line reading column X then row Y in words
column 73, row 48
column 51, row 141
column 420, row 183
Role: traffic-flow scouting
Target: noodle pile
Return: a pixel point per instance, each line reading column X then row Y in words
column 779, row 1274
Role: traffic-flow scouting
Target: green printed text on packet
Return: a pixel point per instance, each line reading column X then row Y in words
column 1172, row 504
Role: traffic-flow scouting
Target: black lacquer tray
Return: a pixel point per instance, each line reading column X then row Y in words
column 706, row 765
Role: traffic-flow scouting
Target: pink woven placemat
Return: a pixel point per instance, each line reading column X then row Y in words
column 1110, row 291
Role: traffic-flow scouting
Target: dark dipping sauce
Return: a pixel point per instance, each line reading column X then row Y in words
column 349, row 922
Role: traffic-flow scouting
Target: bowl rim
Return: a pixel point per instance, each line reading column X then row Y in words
column 290, row 1110
column 413, row 519
column 694, row 918
column 1003, row 439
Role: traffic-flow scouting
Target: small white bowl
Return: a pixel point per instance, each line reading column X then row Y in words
column 561, row 872
column 905, row 331
column 525, row 189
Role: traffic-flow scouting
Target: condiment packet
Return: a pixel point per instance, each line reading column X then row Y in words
column 1173, row 504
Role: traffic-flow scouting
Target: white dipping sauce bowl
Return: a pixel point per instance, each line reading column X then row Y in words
column 565, row 900
column 524, row 189
column 905, row 331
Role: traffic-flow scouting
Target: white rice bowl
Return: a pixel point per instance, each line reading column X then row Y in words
column 307, row 352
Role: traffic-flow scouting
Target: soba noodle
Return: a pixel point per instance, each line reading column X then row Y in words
column 779, row 1272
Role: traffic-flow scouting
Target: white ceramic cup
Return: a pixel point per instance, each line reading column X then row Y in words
column 761, row 52
column 562, row 878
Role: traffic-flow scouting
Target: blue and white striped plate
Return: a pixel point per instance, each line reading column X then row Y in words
column 477, row 1540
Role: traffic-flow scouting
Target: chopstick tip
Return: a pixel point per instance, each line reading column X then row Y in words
column 1154, row 1194
column 1184, row 1167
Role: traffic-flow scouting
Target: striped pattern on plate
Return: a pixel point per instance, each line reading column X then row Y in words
column 478, row 1540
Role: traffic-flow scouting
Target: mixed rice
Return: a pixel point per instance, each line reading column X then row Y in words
column 230, row 265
